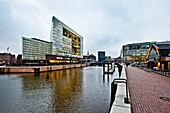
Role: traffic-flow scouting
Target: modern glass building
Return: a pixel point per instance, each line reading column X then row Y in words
column 35, row 49
column 66, row 42
column 101, row 56
column 136, row 52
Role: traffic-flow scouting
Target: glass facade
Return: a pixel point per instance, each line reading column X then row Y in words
column 136, row 52
column 66, row 42
column 101, row 56
column 35, row 49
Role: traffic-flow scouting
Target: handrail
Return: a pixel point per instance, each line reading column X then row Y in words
column 122, row 80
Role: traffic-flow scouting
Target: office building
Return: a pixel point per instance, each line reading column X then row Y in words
column 135, row 52
column 101, row 56
column 35, row 49
column 66, row 42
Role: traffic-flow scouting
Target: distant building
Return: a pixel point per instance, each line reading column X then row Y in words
column 159, row 56
column 89, row 58
column 57, row 59
column 6, row 58
column 35, row 49
column 101, row 56
column 19, row 58
column 13, row 59
column 107, row 58
column 66, row 42
column 118, row 59
column 135, row 52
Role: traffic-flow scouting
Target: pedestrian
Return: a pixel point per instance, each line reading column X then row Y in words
column 126, row 64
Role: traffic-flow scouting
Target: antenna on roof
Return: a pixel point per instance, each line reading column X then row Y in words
column 7, row 49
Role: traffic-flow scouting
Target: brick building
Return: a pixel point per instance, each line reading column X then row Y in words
column 6, row 58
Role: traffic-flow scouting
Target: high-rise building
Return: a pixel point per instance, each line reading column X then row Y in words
column 101, row 56
column 66, row 42
column 35, row 49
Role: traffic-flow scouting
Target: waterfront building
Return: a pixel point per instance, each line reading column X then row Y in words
column 101, row 56
column 35, row 49
column 66, row 46
column 19, row 58
column 136, row 52
column 108, row 58
column 66, row 42
column 6, row 58
column 89, row 58
column 57, row 59
column 158, row 56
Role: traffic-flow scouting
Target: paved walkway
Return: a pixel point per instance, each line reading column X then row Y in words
column 145, row 90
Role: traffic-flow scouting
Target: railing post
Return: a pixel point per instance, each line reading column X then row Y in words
column 127, row 97
column 103, row 68
column 108, row 67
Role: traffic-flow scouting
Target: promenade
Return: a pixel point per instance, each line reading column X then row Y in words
column 145, row 90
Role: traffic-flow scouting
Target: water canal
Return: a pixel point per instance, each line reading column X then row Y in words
column 72, row 90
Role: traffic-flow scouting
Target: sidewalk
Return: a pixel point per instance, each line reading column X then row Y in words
column 145, row 89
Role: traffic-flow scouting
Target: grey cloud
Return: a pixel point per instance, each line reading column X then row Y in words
column 105, row 25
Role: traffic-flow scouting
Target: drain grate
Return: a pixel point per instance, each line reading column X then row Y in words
column 165, row 98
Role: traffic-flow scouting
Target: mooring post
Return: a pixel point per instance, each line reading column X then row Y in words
column 113, row 93
column 103, row 68
column 108, row 67
column 127, row 97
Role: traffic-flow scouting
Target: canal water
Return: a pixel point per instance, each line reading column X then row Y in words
column 81, row 90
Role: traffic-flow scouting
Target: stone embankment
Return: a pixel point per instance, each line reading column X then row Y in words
column 35, row 69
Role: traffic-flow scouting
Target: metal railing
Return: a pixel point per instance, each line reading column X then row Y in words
column 122, row 80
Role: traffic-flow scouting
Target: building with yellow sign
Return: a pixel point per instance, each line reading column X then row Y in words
column 66, row 46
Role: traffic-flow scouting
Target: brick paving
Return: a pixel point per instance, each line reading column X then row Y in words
column 145, row 89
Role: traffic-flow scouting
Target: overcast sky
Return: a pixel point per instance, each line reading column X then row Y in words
column 104, row 24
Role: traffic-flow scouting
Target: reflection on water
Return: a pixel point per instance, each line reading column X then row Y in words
column 72, row 90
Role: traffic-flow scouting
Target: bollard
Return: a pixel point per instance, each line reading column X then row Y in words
column 103, row 68
column 108, row 67
column 119, row 69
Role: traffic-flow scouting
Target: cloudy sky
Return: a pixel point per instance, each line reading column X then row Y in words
column 104, row 24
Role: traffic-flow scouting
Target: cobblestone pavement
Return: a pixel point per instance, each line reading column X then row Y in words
column 145, row 90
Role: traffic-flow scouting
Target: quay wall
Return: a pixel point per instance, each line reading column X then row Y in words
column 14, row 69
